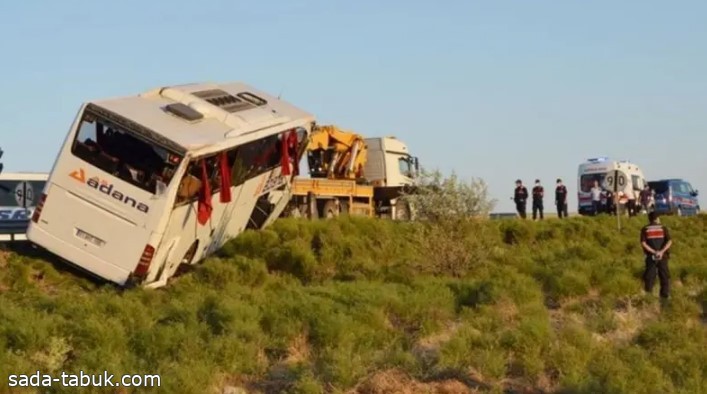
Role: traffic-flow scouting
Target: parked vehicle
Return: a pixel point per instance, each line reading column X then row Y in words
column 603, row 170
column 18, row 198
column 675, row 197
column 354, row 175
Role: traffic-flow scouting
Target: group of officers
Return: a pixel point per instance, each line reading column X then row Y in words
column 655, row 237
column 602, row 200
column 521, row 199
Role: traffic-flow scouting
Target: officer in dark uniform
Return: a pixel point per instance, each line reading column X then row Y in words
column 521, row 198
column 656, row 242
column 561, row 199
column 538, row 194
column 610, row 206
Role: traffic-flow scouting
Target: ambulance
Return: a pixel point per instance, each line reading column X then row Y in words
column 603, row 170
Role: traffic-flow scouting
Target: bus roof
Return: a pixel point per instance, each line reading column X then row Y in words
column 206, row 117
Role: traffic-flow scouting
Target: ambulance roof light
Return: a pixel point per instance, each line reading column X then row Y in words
column 598, row 159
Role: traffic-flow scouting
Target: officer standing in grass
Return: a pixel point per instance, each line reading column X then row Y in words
column 521, row 198
column 656, row 242
column 561, row 199
column 538, row 195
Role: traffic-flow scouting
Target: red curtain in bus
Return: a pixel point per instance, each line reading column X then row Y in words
column 225, row 178
column 204, row 208
column 289, row 148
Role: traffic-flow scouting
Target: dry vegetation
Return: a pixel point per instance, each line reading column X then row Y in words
column 370, row 306
column 351, row 305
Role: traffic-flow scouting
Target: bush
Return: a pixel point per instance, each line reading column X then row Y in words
column 439, row 199
column 455, row 240
column 321, row 306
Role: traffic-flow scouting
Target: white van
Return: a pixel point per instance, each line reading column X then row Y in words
column 18, row 196
column 145, row 183
column 602, row 170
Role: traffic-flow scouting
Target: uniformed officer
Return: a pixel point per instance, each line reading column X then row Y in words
column 656, row 242
column 610, row 205
column 521, row 198
column 646, row 198
column 561, row 199
column 538, row 194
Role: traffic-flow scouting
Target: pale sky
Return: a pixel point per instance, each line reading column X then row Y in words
column 496, row 90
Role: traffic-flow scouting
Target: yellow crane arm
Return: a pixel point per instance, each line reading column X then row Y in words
column 337, row 153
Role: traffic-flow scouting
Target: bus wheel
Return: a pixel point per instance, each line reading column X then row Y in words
column 185, row 266
column 330, row 209
column 191, row 252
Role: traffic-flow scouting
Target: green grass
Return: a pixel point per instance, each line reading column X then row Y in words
column 328, row 306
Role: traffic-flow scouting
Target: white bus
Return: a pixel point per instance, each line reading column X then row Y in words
column 145, row 183
column 599, row 169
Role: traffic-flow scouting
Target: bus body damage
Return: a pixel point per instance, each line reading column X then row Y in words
column 146, row 183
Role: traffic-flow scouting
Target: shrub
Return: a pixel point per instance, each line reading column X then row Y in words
column 320, row 306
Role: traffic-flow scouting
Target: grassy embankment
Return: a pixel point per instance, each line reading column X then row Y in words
column 376, row 305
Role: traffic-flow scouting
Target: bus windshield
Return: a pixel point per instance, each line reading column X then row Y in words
column 124, row 154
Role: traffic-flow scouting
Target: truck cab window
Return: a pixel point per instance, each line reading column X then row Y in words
column 123, row 154
column 406, row 167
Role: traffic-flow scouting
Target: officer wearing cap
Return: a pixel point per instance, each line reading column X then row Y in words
column 538, row 194
column 521, row 198
column 561, row 199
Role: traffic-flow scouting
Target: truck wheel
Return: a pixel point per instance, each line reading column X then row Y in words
column 343, row 208
column 402, row 210
column 330, row 209
column 294, row 212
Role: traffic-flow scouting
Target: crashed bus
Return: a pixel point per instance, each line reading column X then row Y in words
column 144, row 184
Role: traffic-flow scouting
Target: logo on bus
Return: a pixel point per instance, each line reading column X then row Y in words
column 108, row 189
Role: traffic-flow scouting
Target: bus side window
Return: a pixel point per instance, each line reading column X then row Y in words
column 189, row 186
column 192, row 181
column 257, row 157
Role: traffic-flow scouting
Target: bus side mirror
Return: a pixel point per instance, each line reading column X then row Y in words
column 189, row 187
column 694, row 193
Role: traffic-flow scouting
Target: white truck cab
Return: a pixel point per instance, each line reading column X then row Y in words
column 389, row 163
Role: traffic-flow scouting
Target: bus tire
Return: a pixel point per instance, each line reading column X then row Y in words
column 190, row 253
